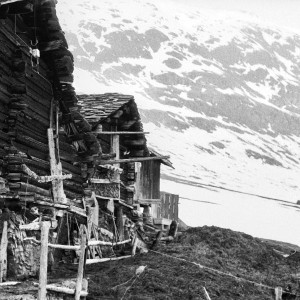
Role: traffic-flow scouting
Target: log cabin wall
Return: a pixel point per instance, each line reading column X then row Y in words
column 29, row 86
column 25, row 100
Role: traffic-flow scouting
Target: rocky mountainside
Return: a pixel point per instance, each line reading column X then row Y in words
column 219, row 92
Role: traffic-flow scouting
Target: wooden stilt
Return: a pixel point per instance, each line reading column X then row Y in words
column 43, row 261
column 134, row 245
column 278, row 293
column 3, row 253
column 56, row 170
column 80, row 266
column 157, row 240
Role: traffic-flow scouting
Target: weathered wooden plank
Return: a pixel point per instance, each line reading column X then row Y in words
column 29, row 188
column 40, row 226
column 64, row 290
column 136, row 159
column 42, row 291
column 32, row 143
column 80, row 265
column 119, row 132
column 3, row 253
column 3, row 2
column 148, row 201
column 101, row 260
column 75, row 248
column 8, row 283
column 56, row 169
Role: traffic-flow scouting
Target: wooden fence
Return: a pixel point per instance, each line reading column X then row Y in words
column 168, row 208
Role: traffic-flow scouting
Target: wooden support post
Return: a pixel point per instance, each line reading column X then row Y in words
column 56, row 170
column 119, row 222
column 115, row 145
column 278, row 293
column 157, row 240
column 80, row 266
column 3, row 253
column 147, row 218
column 45, row 226
column 134, row 245
column 173, row 229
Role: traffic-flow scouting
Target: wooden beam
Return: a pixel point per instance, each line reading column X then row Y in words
column 119, row 132
column 64, row 290
column 162, row 221
column 71, row 208
column 100, row 260
column 167, row 238
column 3, row 253
column 102, row 243
column 118, row 200
column 102, row 181
column 38, row 226
column 47, row 203
column 3, row 2
column 76, row 248
column 42, row 292
column 135, row 159
column 149, row 201
column 9, row 283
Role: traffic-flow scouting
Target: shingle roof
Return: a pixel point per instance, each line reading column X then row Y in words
column 165, row 161
column 96, row 108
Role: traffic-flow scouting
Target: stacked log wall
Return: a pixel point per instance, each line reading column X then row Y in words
column 25, row 114
column 25, row 99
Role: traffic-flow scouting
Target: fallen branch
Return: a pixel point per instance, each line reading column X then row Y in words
column 206, row 295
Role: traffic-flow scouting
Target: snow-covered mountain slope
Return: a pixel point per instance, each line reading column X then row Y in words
column 219, row 92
